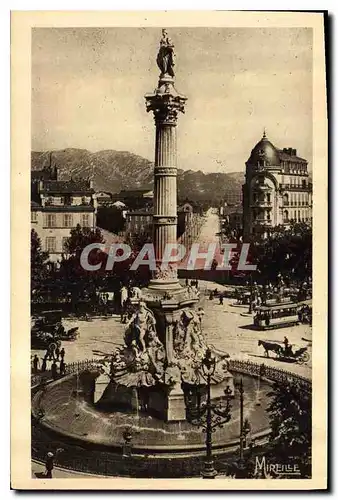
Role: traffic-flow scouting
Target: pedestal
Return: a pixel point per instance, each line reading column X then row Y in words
column 167, row 403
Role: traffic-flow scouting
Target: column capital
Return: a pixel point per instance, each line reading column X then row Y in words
column 165, row 103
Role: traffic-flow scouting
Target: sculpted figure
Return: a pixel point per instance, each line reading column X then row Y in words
column 165, row 56
column 141, row 322
column 136, row 292
column 179, row 335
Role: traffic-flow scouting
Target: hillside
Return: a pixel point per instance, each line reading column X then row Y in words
column 110, row 170
column 115, row 170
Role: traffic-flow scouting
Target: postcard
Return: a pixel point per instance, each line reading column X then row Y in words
column 169, row 242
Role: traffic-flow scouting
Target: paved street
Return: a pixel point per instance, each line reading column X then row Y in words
column 210, row 228
column 223, row 325
column 208, row 234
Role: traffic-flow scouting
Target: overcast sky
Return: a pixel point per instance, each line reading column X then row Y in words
column 88, row 89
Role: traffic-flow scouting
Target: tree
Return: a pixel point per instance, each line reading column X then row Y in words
column 39, row 262
column 285, row 251
column 291, row 425
column 80, row 237
column 111, row 219
column 72, row 276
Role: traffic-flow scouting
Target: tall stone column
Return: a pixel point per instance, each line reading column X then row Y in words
column 165, row 102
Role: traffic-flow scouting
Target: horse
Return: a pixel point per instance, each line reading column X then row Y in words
column 270, row 346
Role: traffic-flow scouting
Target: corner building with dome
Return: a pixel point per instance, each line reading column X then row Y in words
column 277, row 189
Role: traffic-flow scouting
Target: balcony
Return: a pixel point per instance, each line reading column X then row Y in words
column 292, row 187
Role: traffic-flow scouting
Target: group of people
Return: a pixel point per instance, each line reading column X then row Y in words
column 53, row 357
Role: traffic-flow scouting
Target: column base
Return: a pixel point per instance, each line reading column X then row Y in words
column 209, row 472
column 164, row 285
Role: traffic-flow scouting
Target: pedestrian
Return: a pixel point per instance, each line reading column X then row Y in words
column 35, row 364
column 54, row 369
column 51, row 351
column 221, row 299
column 62, row 354
column 186, row 282
column 49, row 464
column 62, row 367
column 196, row 283
column 57, row 353
column 44, row 364
column 211, row 296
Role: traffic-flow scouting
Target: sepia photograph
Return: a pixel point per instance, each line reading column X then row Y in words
column 170, row 189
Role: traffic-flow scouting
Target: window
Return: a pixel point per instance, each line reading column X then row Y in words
column 64, row 241
column 50, row 220
column 50, row 244
column 34, row 216
column 85, row 220
column 68, row 220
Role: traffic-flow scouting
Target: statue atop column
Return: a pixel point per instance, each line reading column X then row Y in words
column 166, row 56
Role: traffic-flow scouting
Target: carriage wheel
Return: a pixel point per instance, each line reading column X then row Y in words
column 304, row 358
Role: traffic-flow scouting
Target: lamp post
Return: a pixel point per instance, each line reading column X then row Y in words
column 251, row 295
column 127, row 437
column 241, row 436
column 245, row 426
column 208, row 415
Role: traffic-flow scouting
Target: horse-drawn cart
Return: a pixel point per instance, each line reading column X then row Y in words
column 285, row 353
column 47, row 329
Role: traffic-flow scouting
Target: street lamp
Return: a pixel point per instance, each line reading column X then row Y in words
column 206, row 414
column 245, row 426
column 127, row 437
column 251, row 294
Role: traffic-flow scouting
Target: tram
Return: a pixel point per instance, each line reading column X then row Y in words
column 278, row 315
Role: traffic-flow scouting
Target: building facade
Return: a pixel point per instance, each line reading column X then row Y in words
column 277, row 189
column 139, row 223
column 135, row 199
column 59, row 206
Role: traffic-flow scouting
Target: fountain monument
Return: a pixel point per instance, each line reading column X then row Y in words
column 160, row 361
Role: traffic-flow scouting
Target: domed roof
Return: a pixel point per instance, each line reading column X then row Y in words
column 264, row 151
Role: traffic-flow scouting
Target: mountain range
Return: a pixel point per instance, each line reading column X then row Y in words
column 115, row 170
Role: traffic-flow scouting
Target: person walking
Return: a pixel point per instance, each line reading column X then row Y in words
column 57, row 353
column 49, row 465
column 51, row 351
column 54, row 370
column 221, row 299
column 35, row 364
column 62, row 354
column 44, row 364
column 62, row 367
